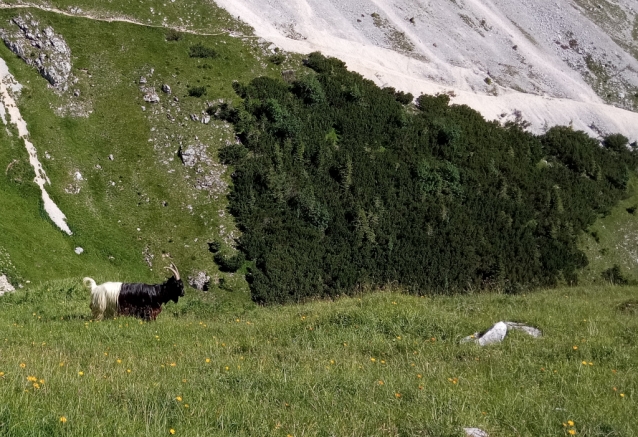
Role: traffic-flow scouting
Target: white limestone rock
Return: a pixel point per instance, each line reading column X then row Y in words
column 534, row 332
column 495, row 334
column 475, row 432
column 5, row 285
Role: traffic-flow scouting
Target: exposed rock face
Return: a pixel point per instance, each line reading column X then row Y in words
column 199, row 281
column 209, row 173
column 5, row 285
column 40, row 48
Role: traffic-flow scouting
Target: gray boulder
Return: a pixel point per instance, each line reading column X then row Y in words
column 199, row 281
column 151, row 97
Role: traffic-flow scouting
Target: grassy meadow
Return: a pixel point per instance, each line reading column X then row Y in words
column 381, row 364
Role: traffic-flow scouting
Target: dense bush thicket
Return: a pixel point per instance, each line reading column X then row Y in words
column 337, row 185
column 201, row 51
column 196, row 91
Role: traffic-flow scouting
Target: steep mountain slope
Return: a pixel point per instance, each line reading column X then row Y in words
column 136, row 173
column 140, row 182
column 555, row 62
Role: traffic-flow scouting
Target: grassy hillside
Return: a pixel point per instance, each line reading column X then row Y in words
column 381, row 364
column 142, row 204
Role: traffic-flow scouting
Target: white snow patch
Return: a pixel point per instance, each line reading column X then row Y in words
column 8, row 105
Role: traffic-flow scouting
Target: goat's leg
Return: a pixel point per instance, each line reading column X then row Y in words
column 97, row 314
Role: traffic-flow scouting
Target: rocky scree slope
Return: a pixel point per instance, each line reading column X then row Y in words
column 557, row 62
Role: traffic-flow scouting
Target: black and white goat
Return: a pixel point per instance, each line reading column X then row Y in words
column 133, row 299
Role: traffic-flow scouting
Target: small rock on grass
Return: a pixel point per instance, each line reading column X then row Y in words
column 475, row 432
column 497, row 333
column 5, row 285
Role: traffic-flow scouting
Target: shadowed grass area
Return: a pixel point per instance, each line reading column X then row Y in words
column 382, row 364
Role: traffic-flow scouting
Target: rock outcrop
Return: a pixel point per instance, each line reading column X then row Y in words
column 41, row 48
column 199, row 281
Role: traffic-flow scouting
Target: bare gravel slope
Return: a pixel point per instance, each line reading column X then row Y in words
column 558, row 62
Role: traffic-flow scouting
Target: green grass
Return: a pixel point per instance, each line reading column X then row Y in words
column 382, row 364
column 129, row 192
column 613, row 241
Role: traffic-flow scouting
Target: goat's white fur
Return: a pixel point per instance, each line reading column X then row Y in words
column 103, row 298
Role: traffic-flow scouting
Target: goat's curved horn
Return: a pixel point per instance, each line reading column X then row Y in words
column 173, row 269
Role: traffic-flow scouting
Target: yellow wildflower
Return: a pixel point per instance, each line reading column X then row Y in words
column 171, row 431
column 570, row 422
column 178, row 398
column 22, row 365
column 62, row 419
column 571, row 432
column 81, row 373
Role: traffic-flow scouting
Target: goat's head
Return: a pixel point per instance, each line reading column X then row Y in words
column 174, row 285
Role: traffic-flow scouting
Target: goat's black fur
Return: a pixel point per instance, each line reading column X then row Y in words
column 145, row 301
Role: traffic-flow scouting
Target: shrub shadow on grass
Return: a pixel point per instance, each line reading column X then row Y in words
column 629, row 307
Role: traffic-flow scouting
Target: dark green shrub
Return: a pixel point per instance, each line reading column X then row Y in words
column 404, row 98
column 214, row 246
column 229, row 263
column 232, row 154
column 309, row 89
column 614, row 276
column 173, row 35
column 201, row 51
column 321, row 64
column 196, row 91
column 277, row 58
column 353, row 189
column 616, row 142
